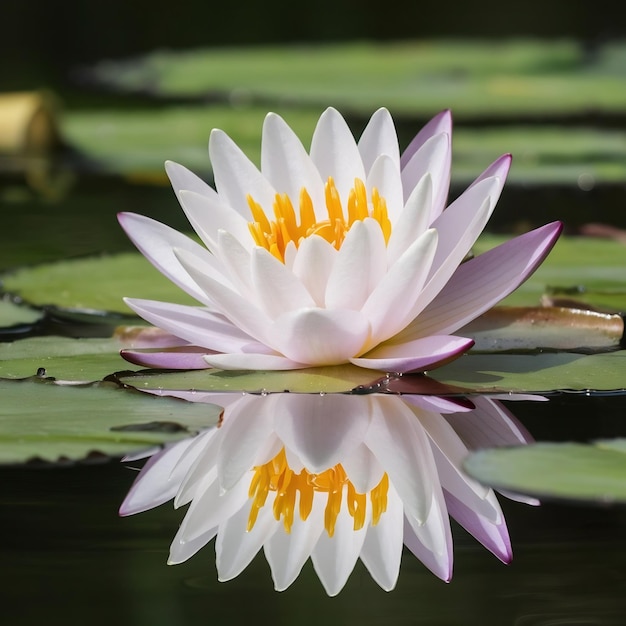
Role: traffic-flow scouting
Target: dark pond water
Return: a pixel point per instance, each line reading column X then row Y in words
column 67, row 558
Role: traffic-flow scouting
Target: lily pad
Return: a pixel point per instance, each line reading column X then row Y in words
column 12, row 314
column 483, row 78
column 137, row 142
column 535, row 373
column 97, row 283
column 332, row 379
column 40, row 421
column 63, row 358
column 571, row 471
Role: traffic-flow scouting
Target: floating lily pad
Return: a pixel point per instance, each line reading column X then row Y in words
column 536, row 373
column 332, row 379
column 571, row 471
column 12, row 314
column 97, row 283
column 410, row 76
column 66, row 359
column 59, row 424
column 137, row 142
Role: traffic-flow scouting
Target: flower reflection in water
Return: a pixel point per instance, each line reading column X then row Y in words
column 332, row 477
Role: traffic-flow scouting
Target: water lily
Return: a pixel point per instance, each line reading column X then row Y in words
column 340, row 254
column 333, row 478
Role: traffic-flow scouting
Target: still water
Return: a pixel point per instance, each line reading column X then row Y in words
column 68, row 558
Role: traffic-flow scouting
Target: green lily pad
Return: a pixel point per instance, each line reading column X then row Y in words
column 97, row 283
column 63, row 358
column 12, row 314
column 571, row 471
column 535, row 373
column 135, row 143
column 332, row 379
column 60, row 424
column 411, row 76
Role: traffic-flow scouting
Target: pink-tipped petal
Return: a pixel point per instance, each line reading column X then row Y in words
column 483, row 281
column 196, row 325
column 415, row 356
column 157, row 241
column 182, row 358
column 493, row 535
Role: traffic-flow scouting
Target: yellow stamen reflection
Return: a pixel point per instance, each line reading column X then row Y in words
column 277, row 477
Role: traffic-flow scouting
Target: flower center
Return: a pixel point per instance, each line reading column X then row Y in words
column 276, row 476
column 274, row 236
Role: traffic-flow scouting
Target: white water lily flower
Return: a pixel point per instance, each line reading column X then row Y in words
column 332, row 477
column 343, row 254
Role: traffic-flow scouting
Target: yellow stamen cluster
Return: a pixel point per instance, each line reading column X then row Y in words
column 276, row 476
column 275, row 235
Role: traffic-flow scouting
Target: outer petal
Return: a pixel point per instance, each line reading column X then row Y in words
column 181, row 358
column 196, row 325
column 415, row 356
column 433, row 157
column 320, row 336
column 209, row 215
column 157, row 241
column 493, row 535
column 483, row 281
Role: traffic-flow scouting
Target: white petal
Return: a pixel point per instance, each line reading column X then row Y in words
column 363, row 469
column 210, row 215
column 155, row 483
column 319, row 336
column 334, row 557
column 236, row 546
column 394, row 301
column 194, row 324
column 252, row 361
column 358, row 268
column 312, row 264
column 278, row 290
column 287, row 166
column 239, row 310
column 459, row 226
column 382, row 548
column 287, row 553
column 157, row 242
column 335, row 153
column 402, row 448
column 244, row 431
column 379, row 137
column 182, row 178
column 321, row 429
column 211, row 508
column 385, row 177
column 236, row 176
column 433, row 157
column 412, row 221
